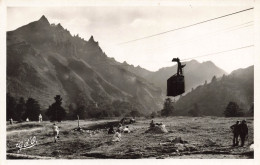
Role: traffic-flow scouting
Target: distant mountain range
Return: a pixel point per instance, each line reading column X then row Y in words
column 44, row 60
column 213, row 98
column 195, row 74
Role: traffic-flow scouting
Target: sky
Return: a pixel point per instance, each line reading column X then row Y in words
column 112, row 25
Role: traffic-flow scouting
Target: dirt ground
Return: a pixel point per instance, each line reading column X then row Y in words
column 206, row 138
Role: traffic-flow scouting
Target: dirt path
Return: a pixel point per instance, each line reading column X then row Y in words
column 23, row 130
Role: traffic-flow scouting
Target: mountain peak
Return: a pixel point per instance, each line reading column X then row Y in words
column 192, row 62
column 208, row 62
column 59, row 26
column 91, row 39
column 43, row 19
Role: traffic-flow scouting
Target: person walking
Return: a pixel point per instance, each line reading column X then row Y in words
column 243, row 132
column 235, row 130
column 55, row 132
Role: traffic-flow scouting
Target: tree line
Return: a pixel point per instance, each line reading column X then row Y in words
column 22, row 109
column 231, row 110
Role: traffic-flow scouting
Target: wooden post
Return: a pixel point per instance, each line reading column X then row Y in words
column 78, row 120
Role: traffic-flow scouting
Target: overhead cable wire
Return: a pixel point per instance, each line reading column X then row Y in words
column 224, row 51
column 209, row 54
column 212, row 34
column 212, row 19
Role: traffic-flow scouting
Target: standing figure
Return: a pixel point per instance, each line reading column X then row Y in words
column 243, row 132
column 235, row 130
column 11, row 121
column 120, row 128
column 152, row 124
column 111, row 130
column 27, row 119
column 122, row 121
column 40, row 118
column 55, row 132
column 179, row 70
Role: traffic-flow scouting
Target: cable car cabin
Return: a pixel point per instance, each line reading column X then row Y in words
column 175, row 85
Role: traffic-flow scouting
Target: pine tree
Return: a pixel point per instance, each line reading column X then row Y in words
column 56, row 112
column 10, row 107
column 168, row 108
column 233, row 110
column 251, row 110
column 20, row 108
column 32, row 110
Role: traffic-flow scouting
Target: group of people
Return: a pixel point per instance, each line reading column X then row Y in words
column 152, row 124
column 117, row 134
column 239, row 129
column 27, row 119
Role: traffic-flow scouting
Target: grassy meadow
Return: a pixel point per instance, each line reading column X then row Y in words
column 206, row 138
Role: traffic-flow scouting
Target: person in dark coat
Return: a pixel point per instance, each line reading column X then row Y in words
column 111, row 130
column 243, row 132
column 152, row 124
column 235, row 130
column 179, row 70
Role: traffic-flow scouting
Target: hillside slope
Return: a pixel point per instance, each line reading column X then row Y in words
column 44, row 60
column 213, row 98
